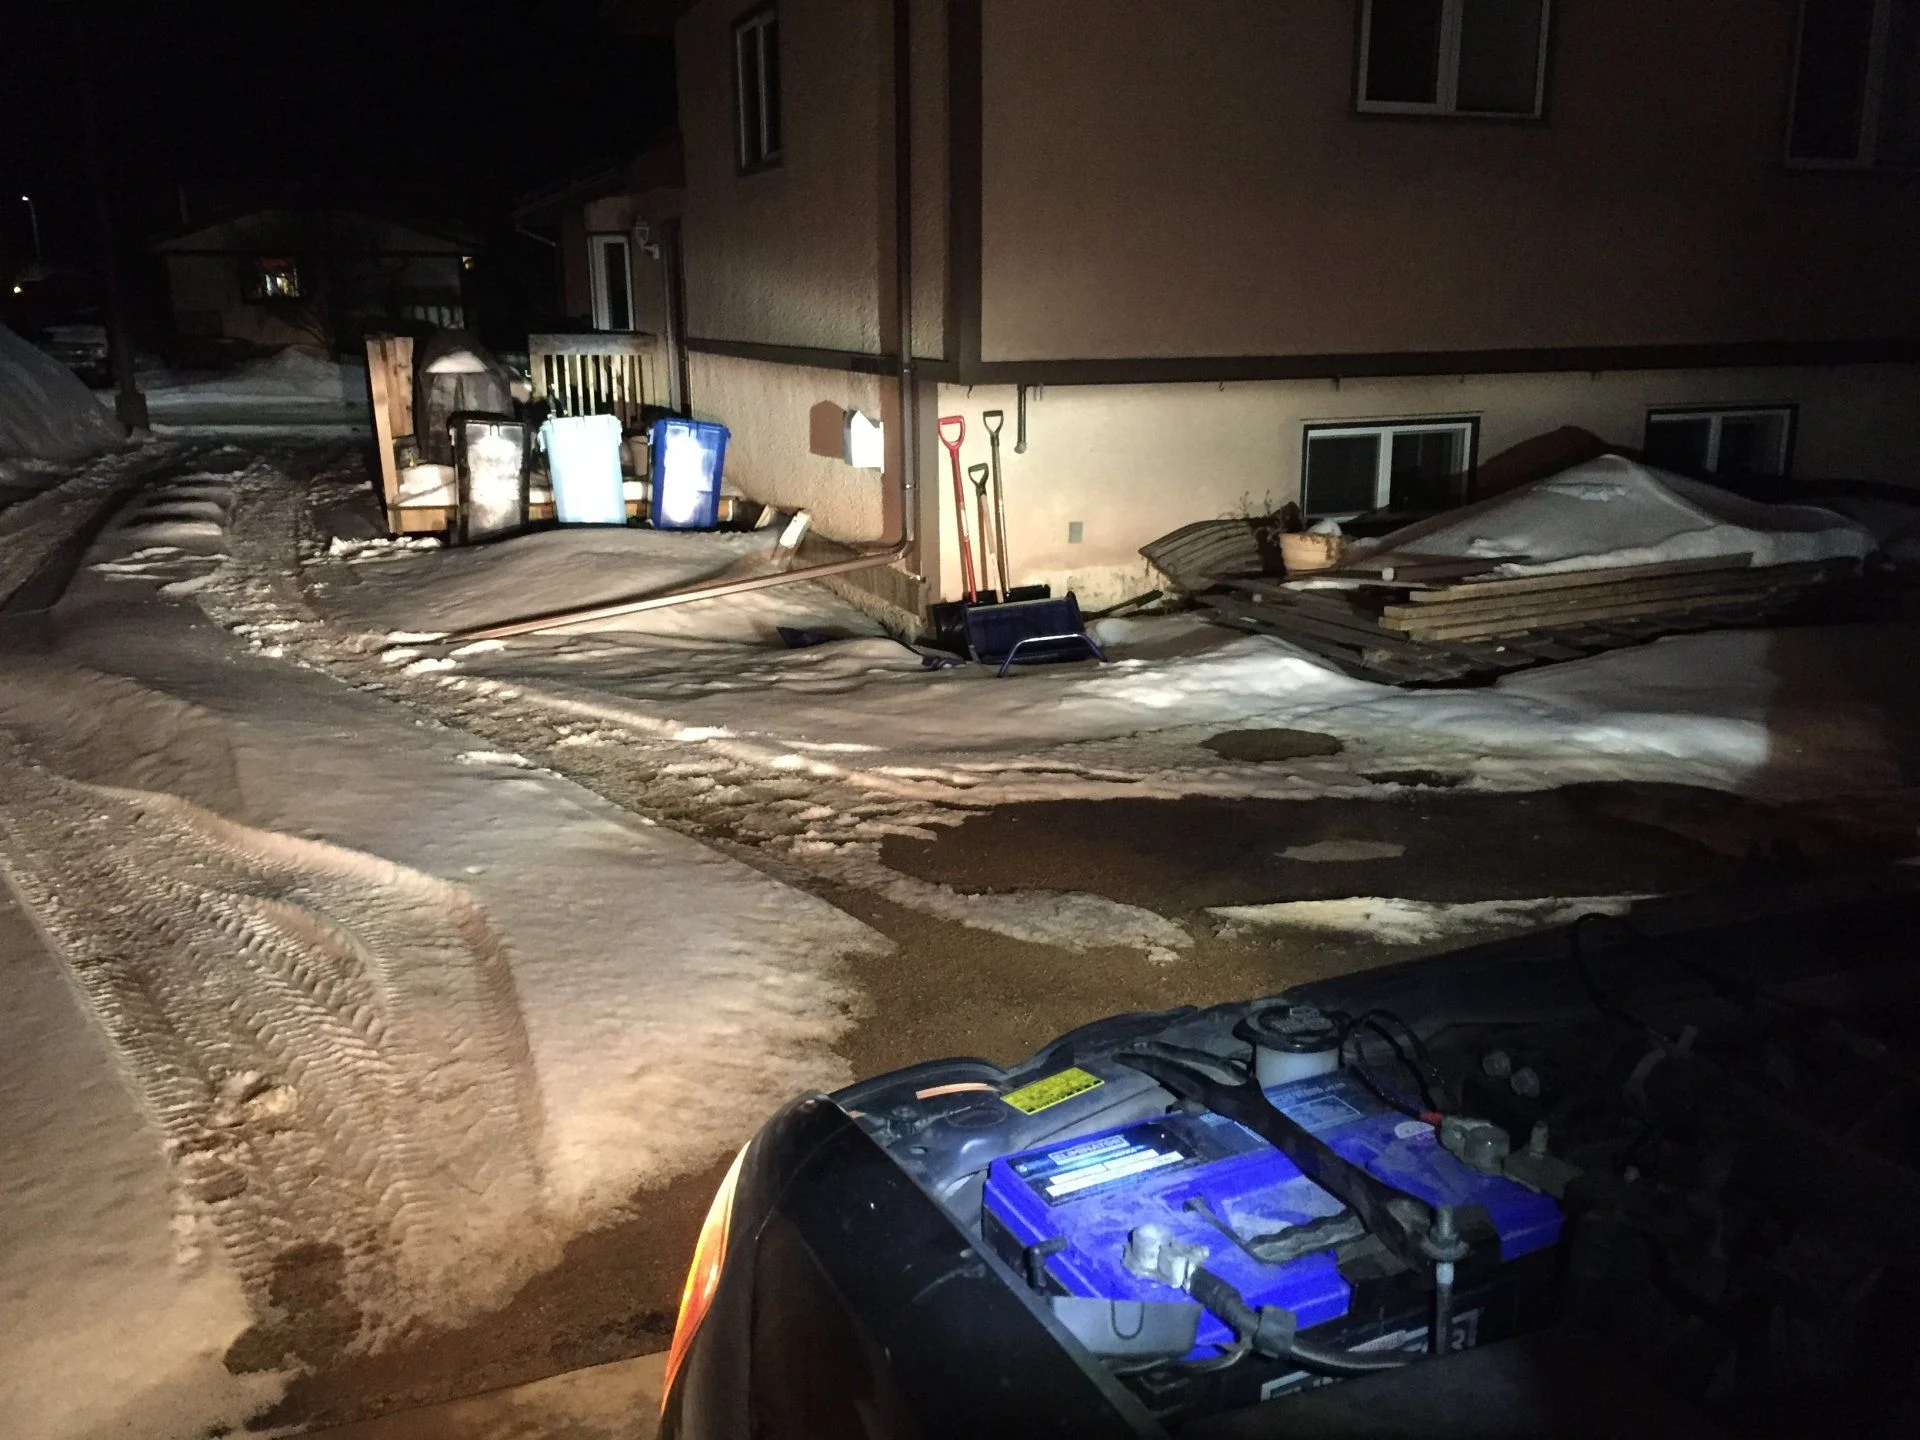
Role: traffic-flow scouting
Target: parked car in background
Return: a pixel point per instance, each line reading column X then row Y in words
column 82, row 347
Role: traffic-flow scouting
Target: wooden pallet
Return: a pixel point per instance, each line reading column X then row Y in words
column 1476, row 630
column 1488, row 609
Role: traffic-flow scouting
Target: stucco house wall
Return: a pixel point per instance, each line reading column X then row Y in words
column 789, row 255
column 1132, row 462
column 1177, row 182
column 1193, row 180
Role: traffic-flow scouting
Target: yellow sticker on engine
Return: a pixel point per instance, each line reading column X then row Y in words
column 1044, row 1094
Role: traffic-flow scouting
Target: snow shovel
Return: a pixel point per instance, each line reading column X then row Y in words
column 978, row 475
column 993, row 420
column 959, row 422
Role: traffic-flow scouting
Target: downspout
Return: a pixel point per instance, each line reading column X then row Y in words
column 909, row 438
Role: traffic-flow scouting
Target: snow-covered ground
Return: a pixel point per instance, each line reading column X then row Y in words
column 406, row 1015
column 411, row 995
column 279, row 394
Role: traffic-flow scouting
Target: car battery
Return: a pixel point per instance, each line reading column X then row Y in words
column 1062, row 1214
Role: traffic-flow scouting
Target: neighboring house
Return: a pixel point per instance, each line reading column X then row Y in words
column 617, row 247
column 316, row 278
column 1239, row 252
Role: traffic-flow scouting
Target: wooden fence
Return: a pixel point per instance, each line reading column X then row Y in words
column 598, row 374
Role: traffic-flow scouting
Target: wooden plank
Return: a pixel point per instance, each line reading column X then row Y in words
column 1575, row 579
column 1380, row 653
column 379, row 384
column 1622, row 610
column 1357, row 630
column 1652, row 591
column 1427, row 568
column 420, row 519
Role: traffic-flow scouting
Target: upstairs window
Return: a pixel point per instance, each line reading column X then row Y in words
column 756, row 89
column 1729, row 444
column 1410, row 465
column 1856, row 85
column 1453, row 57
column 610, row 281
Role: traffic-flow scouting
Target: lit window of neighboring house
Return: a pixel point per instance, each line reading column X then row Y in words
column 756, row 89
column 273, row 278
column 1409, row 464
column 1856, row 85
column 1726, row 443
column 1453, row 57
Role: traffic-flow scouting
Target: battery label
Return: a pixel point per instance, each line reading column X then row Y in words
column 1314, row 1106
column 1052, row 1090
column 1085, row 1169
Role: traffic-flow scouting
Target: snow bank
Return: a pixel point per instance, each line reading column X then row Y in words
column 1612, row 511
column 288, row 375
column 45, row 412
column 548, row 570
column 1389, row 920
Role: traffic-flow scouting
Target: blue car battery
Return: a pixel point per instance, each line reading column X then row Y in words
column 1063, row 1212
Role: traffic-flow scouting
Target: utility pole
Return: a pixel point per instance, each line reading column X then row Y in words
column 129, row 405
column 33, row 215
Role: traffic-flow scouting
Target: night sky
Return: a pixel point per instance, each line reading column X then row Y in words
column 442, row 109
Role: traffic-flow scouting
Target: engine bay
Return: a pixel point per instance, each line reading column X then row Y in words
column 1694, row 1149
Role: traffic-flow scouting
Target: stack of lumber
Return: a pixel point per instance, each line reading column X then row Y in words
column 1434, row 625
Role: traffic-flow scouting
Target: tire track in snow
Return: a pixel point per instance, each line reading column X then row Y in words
column 803, row 829
column 329, row 1042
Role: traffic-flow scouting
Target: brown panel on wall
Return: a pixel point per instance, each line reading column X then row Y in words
column 1193, row 180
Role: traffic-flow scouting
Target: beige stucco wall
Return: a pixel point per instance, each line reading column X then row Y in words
column 802, row 253
column 1191, row 180
column 769, row 410
column 788, row 255
column 1132, row 462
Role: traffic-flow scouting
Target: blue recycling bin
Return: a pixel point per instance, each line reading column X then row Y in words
column 689, row 457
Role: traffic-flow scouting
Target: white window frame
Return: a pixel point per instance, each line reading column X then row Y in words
column 1867, row 141
column 1447, row 90
column 755, row 152
column 1719, row 415
column 598, row 243
column 1466, row 426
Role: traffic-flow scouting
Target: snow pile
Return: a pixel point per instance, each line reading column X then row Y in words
column 1611, row 511
column 1392, row 921
column 288, row 375
column 45, row 412
column 469, row 586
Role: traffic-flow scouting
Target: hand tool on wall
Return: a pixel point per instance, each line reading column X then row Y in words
column 993, row 420
column 959, row 424
column 978, row 475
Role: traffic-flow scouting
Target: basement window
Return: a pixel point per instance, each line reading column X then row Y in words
column 1453, row 57
column 1410, row 465
column 756, row 89
column 1727, row 444
column 272, row 278
column 1856, row 86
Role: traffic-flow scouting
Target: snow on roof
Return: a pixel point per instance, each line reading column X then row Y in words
column 45, row 412
column 286, row 229
column 1614, row 511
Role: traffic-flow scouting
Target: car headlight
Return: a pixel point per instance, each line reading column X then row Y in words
column 703, row 1275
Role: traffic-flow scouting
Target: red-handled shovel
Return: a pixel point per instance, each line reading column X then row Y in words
column 959, row 422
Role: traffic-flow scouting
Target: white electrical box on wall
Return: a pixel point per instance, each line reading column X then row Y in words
column 866, row 442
